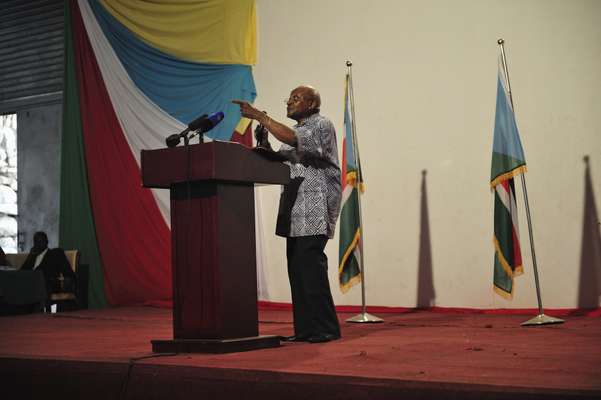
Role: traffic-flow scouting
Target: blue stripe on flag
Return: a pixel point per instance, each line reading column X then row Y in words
column 506, row 136
column 348, row 129
column 183, row 89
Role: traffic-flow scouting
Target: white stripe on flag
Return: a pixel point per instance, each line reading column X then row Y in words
column 514, row 214
column 346, row 193
column 144, row 124
column 508, row 200
column 357, row 254
column 504, row 81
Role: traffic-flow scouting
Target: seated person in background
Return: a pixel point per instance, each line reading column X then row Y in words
column 53, row 263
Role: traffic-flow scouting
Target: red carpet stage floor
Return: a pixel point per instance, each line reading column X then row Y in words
column 106, row 354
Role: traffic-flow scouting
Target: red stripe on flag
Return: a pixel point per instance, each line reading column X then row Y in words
column 517, row 253
column 343, row 175
column 133, row 238
column 245, row 139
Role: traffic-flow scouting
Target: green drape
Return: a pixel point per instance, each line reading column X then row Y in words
column 77, row 230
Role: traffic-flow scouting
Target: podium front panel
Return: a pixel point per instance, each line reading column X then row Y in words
column 214, row 265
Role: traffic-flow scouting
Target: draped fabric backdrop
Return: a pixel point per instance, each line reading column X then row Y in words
column 135, row 72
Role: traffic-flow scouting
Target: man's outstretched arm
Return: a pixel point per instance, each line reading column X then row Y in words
column 281, row 132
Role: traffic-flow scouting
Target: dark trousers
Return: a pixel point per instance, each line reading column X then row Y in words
column 312, row 303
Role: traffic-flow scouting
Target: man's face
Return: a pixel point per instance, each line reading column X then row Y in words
column 40, row 242
column 299, row 104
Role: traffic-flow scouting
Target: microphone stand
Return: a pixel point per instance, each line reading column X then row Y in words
column 188, row 198
column 261, row 137
column 201, row 137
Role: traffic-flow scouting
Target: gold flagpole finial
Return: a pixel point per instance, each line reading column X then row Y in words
column 349, row 63
column 500, row 41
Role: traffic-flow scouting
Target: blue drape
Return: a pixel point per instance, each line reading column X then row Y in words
column 183, row 89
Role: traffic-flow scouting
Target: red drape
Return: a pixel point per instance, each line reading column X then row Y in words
column 133, row 238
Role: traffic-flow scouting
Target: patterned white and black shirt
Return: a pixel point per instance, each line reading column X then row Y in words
column 310, row 203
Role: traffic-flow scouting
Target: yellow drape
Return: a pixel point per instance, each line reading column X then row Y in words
column 210, row 31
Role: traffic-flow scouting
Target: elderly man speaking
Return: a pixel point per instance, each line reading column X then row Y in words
column 309, row 207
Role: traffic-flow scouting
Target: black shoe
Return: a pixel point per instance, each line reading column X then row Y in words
column 293, row 338
column 322, row 338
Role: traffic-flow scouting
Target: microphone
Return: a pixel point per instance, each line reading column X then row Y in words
column 202, row 124
column 205, row 123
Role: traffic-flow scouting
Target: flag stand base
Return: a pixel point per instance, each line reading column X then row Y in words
column 542, row 319
column 365, row 318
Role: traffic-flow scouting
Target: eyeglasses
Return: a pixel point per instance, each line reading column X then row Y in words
column 294, row 99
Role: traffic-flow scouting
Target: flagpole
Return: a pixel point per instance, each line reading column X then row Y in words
column 541, row 318
column 364, row 316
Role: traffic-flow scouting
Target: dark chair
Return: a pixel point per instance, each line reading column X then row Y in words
column 65, row 297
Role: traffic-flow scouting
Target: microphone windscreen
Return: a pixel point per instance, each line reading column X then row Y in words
column 216, row 118
column 207, row 123
column 172, row 140
column 194, row 125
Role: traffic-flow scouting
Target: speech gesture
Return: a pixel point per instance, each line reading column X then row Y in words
column 249, row 111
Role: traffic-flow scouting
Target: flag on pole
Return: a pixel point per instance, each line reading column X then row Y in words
column 349, row 269
column 242, row 132
column 507, row 162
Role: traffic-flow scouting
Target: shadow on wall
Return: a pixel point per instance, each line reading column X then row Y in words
column 590, row 254
column 426, row 295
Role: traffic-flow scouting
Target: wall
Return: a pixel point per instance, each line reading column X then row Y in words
column 31, row 56
column 38, row 147
column 31, row 80
column 425, row 85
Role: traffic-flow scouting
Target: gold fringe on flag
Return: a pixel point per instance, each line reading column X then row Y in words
column 502, row 293
column 347, row 286
column 351, row 179
column 356, row 279
column 508, row 175
column 519, row 270
column 349, row 249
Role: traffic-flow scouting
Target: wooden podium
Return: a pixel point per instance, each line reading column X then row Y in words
column 212, row 243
